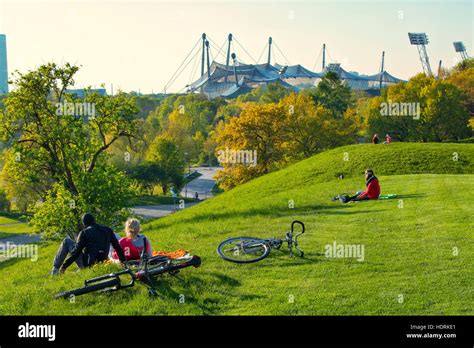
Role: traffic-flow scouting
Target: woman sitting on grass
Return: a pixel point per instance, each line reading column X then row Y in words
column 133, row 243
column 372, row 191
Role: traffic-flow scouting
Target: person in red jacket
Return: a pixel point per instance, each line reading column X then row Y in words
column 372, row 191
column 134, row 242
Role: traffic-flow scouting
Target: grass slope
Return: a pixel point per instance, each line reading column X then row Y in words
column 409, row 245
column 12, row 224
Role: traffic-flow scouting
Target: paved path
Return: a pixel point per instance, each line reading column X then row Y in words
column 202, row 185
column 13, row 224
column 11, row 243
column 157, row 211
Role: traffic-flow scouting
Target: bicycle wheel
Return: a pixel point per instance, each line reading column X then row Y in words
column 89, row 288
column 243, row 249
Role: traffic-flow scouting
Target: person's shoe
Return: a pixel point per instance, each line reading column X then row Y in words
column 54, row 272
column 335, row 198
column 343, row 199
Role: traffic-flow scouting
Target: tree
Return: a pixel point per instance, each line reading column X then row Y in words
column 271, row 93
column 312, row 128
column 166, row 154
column 148, row 175
column 332, row 94
column 62, row 140
column 464, row 80
column 276, row 134
column 441, row 114
column 259, row 129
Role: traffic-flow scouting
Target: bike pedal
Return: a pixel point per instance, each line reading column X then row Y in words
column 152, row 292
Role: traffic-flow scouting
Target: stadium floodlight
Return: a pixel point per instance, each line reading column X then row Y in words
column 459, row 46
column 420, row 40
column 461, row 49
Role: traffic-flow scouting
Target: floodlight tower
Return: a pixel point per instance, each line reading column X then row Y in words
column 459, row 47
column 420, row 40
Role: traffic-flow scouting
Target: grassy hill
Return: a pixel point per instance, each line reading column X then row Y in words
column 418, row 256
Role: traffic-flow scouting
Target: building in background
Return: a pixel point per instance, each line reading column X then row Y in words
column 82, row 92
column 3, row 65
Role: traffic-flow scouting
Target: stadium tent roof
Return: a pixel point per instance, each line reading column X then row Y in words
column 296, row 71
column 385, row 77
column 221, row 79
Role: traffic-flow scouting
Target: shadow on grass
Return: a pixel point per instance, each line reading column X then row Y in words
column 4, row 235
column 281, row 258
column 21, row 217
column 9, row 262
column 209, row 305
column 270, row 212
column 412, row 195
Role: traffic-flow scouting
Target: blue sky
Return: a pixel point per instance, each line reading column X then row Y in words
column 139, row 44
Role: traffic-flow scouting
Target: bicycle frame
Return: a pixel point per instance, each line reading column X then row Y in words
column 292, row 242
column 144, row 273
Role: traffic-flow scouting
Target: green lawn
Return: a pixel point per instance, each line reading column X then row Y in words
column 6, row 220
column 12, row 224
column 12, row 230
column 410, row 248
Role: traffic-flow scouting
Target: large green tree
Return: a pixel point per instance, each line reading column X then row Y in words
column 58, row 142
column 441, row 112
column 166, row 154
column 333, row 94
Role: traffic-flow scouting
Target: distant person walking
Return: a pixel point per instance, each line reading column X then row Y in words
column 388, row 139
column 375, row 139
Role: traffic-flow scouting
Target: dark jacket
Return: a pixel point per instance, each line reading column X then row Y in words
column 93, row 244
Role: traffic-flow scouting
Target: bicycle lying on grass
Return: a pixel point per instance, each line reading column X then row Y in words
column 250, row 249
column 144, row 270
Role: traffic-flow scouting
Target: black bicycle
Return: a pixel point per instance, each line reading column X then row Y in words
column 144, row 270
column 250, row 249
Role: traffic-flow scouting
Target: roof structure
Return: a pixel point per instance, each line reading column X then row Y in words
column 235, row 78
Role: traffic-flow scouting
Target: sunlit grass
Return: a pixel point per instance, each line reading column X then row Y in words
column 418, row 248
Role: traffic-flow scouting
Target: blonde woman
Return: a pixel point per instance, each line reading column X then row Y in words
column 134, row 242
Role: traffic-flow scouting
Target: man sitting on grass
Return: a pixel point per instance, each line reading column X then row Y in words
column 93, row 245
column 372, row 191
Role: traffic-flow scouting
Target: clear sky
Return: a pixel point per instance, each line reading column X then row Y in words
column 139, row 44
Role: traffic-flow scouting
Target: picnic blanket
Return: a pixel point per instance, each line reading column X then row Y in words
column 388, row 196
column 171, row 254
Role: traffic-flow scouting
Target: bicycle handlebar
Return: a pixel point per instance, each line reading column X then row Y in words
column 299, row 223
column 298, row 234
